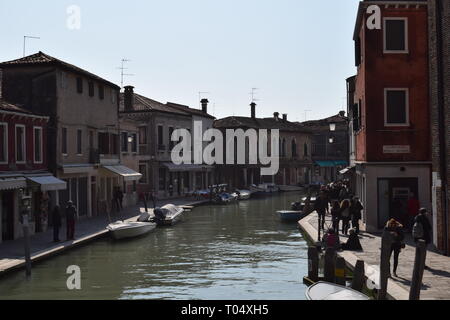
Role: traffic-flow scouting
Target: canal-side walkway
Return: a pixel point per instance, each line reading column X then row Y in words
column 436, row 279
column 87, row 229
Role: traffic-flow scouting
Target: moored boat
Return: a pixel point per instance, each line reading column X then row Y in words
column 122, row 229
column 243, row 194
column 330, row 291
column 291, row 216
column 168, row 215
column 289, row 188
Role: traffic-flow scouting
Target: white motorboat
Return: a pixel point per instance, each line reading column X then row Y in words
column 167, row 215
column 264, row 189
column 289, row 188
column 122, row 229
column 330, row 291
column 243, row 194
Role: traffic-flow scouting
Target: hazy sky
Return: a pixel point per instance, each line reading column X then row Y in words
column 297, row 52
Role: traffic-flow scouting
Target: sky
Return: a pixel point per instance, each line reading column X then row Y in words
column 298, row 53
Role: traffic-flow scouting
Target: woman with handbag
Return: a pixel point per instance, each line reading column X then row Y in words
column 395, row 228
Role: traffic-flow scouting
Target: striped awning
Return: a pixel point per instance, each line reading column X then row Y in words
column 12, row 183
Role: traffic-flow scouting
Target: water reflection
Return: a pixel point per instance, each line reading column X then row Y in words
column 239, row 251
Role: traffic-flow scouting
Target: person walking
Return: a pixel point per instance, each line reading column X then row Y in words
column 336, row 215
column 422, row 228
column 355, row 210
column 71, row 214
column 56, row 219
column 345, row 216
column 321, row 207
column 120, row 198
column 396, row 229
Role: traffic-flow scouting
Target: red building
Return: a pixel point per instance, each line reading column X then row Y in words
column 24, row 181
column 390, row 144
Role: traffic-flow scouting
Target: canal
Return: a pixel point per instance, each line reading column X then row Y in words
column 239, row 252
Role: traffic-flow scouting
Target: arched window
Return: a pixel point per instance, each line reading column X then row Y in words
column 305, row 150
column 294, row 148
column 283, row 149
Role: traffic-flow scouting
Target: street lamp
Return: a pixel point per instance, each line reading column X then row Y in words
column 332, row 126
column 130, row 139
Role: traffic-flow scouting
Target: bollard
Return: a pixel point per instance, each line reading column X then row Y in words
column 419, row 266
column 26, row 235
column 313, row 264
column 358, row 276
column 386, row 242
column 339, row 272
column 329, row 268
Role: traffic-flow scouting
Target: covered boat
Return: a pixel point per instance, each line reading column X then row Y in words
column 330, row 291
column 167, row 215
column 122, row 229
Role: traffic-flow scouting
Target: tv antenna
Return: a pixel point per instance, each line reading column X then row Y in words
column 122, row 73
column 306, row 113
column 253, row 93
column 25, row 42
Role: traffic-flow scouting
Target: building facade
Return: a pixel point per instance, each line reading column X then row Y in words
column 390, row 114
column 83, row 130
column 439, row 62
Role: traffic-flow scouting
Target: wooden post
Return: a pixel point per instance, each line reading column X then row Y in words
column 386, row 242
column 26, row 235
column 358, row 276
column 419, row 266
column 339, row 272
column 145, row 202
column 313, row 264
column 330, row 262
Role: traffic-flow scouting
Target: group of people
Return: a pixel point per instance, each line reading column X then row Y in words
column 71, row 216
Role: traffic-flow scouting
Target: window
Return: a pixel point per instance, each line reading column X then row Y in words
column 80, row 85
column 142, row 135
column 395, row 35
column 396, row 107
column 103, row 142
column 357, row 122
column 171, row 143
column 114, row 144
column 3, row 143
column 91, row 89
column 101, row 92
column 358, row 52
column 134, row 143
column 305, row 150
column 79, row 142
column 20, row 144
column 124, row 142
column 160, row 138
column 143, row 171
column 64, row 141
column 294, row 149
column 37, row 132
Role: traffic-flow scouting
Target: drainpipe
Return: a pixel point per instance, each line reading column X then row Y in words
column 442, row 118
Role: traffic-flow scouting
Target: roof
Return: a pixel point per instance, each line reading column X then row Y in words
column 317, row 125
column 144, row 104
column 42, row 59
column 195, row 112
column 259, row 123
column 9, row 107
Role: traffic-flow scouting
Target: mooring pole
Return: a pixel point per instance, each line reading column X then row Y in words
column 358, row 276
column 313, row 264
column 386, row 242
column 419, row 266
column 26, row 235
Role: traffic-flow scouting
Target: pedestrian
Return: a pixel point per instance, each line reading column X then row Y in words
column 345, row 216
column 353, row 242
column 413, row 209
column 120, row 199
column 171, row 190
column 321, row 207
column 396, row 229
column 56, row 219
column 71, row 214
column 331, row 239
column 422, row 229
column 355, row 210
column 336, row 215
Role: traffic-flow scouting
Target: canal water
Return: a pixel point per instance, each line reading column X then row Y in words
column 239, row 252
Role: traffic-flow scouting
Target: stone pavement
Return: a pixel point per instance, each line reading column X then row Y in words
column 436, row 280
column 86, row 229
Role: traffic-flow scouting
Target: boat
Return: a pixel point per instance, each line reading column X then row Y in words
column 168, row 215
column 290, row 188
column 243, row 194
column 330, row 291
column 122, row 229
column 263, row 189
column 225, row 198
column 299, row 206
column 291, row 216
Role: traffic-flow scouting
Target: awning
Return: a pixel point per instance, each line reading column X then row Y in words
column 346, row 170
column 12, row 183
column 77, row 168
column 49, row 183
column 186, row 167
column 127, row 173
column 328, row 164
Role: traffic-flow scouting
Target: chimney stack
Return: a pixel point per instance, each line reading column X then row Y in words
column 342, row 114
column 276, row 115
column 128, row 98
column 253, row 106
column 204, row 103
column 285, row 117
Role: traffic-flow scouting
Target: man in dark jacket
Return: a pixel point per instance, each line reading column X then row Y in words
column 56, row 219
column 424, row 225
column 71, row 214
column 321, row 206
column 355, row 213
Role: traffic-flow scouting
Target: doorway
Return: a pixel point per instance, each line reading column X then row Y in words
column 8, row 215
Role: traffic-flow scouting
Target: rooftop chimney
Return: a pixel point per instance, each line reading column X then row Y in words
column 342, row 114
column 204, row 103
column 276, row 115
column 253, row 106
column 285, row 116
column 128, row 98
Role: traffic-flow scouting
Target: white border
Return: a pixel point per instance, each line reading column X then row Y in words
column 407, row 123
column 34, row 144
column 406, row 35
column 23, row 143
